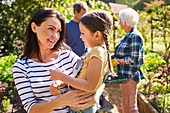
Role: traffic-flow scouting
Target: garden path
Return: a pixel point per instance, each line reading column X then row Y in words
column 114, row 95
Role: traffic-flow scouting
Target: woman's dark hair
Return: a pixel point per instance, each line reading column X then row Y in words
column 31, row 46
column 99, row 20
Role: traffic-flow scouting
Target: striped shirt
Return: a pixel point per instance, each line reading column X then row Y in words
column 32, row 79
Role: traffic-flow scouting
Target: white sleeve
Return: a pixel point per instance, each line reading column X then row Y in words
column 77, row 64
column 23, row 85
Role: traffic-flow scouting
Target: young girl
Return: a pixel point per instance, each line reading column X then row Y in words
column 95, row 27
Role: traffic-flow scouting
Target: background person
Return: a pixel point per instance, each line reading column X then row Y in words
column 130, row 55
column 44, row 50
column 72, row 35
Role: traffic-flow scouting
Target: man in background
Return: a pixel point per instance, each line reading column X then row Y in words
column 72, row 36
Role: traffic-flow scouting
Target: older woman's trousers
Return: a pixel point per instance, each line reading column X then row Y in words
column 129, row 96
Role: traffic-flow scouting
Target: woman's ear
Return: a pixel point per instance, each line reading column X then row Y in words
column 33, row 27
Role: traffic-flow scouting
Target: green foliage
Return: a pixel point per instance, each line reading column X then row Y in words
column 130, row 3
column 140, row 5
column 152, row 62
column 14, row 19
column 165, row 99
column 157, row 83
column 13, row 25
column 143, row 25
column 6, row 104
column 6, row 64
column 108, row 1
column 15, row 16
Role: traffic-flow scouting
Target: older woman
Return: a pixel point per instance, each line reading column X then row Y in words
column 44, row 50
column 129, row 53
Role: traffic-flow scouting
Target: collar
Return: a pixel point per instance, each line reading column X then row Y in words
column 127, row 35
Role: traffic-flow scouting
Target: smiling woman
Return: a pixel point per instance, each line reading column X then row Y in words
column 48, row 33
column 44, row 50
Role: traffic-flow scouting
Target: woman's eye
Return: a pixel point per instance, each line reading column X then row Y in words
column 58, row 31
column 51, row 29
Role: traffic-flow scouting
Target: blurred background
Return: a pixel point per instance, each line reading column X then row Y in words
column 154, row 24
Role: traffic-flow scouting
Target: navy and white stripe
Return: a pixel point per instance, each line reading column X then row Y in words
column 32, row 78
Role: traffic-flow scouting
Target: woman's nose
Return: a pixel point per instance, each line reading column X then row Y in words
column 55, row 35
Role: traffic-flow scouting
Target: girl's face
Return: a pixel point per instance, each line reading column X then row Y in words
column 48, row 33
column 87, row 36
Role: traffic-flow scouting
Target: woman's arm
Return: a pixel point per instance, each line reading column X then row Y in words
column 71, row 98
column 91, row 100
column 94, row 73
column 135, row 46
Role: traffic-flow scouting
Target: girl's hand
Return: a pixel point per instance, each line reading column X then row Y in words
column 54, row 90
column 55, row 74
column 54, row 87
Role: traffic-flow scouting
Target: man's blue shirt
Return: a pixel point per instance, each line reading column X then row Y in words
column 73, row 38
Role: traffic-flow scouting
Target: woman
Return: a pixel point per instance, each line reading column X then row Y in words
column 44, row 50
column 129, row 53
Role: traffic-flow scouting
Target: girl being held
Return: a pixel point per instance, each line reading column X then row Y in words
column 95, row 27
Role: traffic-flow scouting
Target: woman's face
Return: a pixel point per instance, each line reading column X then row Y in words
column 122, row 26
column 48, row 33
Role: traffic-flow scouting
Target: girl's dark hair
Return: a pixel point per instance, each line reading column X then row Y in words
column 99, row 20
column 31, row 46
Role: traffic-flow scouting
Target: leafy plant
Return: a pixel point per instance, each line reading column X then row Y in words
column 157, row 83
column 6, row 104
column 8, row 91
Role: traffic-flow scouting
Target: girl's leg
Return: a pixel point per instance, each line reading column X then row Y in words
column 129, row 97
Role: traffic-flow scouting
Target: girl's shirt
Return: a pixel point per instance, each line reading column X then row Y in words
column 32, row 79
column 99, row 52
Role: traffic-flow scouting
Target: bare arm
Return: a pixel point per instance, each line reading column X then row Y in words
column 94, row 72
column 92, row 100
column 71, row 98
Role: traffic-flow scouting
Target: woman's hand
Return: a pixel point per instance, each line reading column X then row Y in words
column 87, row 102
column 75, row 98
column 90, row 100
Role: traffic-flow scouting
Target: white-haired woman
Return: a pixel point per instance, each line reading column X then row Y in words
column 129, row 53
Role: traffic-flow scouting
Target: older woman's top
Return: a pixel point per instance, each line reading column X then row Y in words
column 131, row 49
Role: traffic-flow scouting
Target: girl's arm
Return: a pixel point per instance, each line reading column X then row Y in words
column 94, row 73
